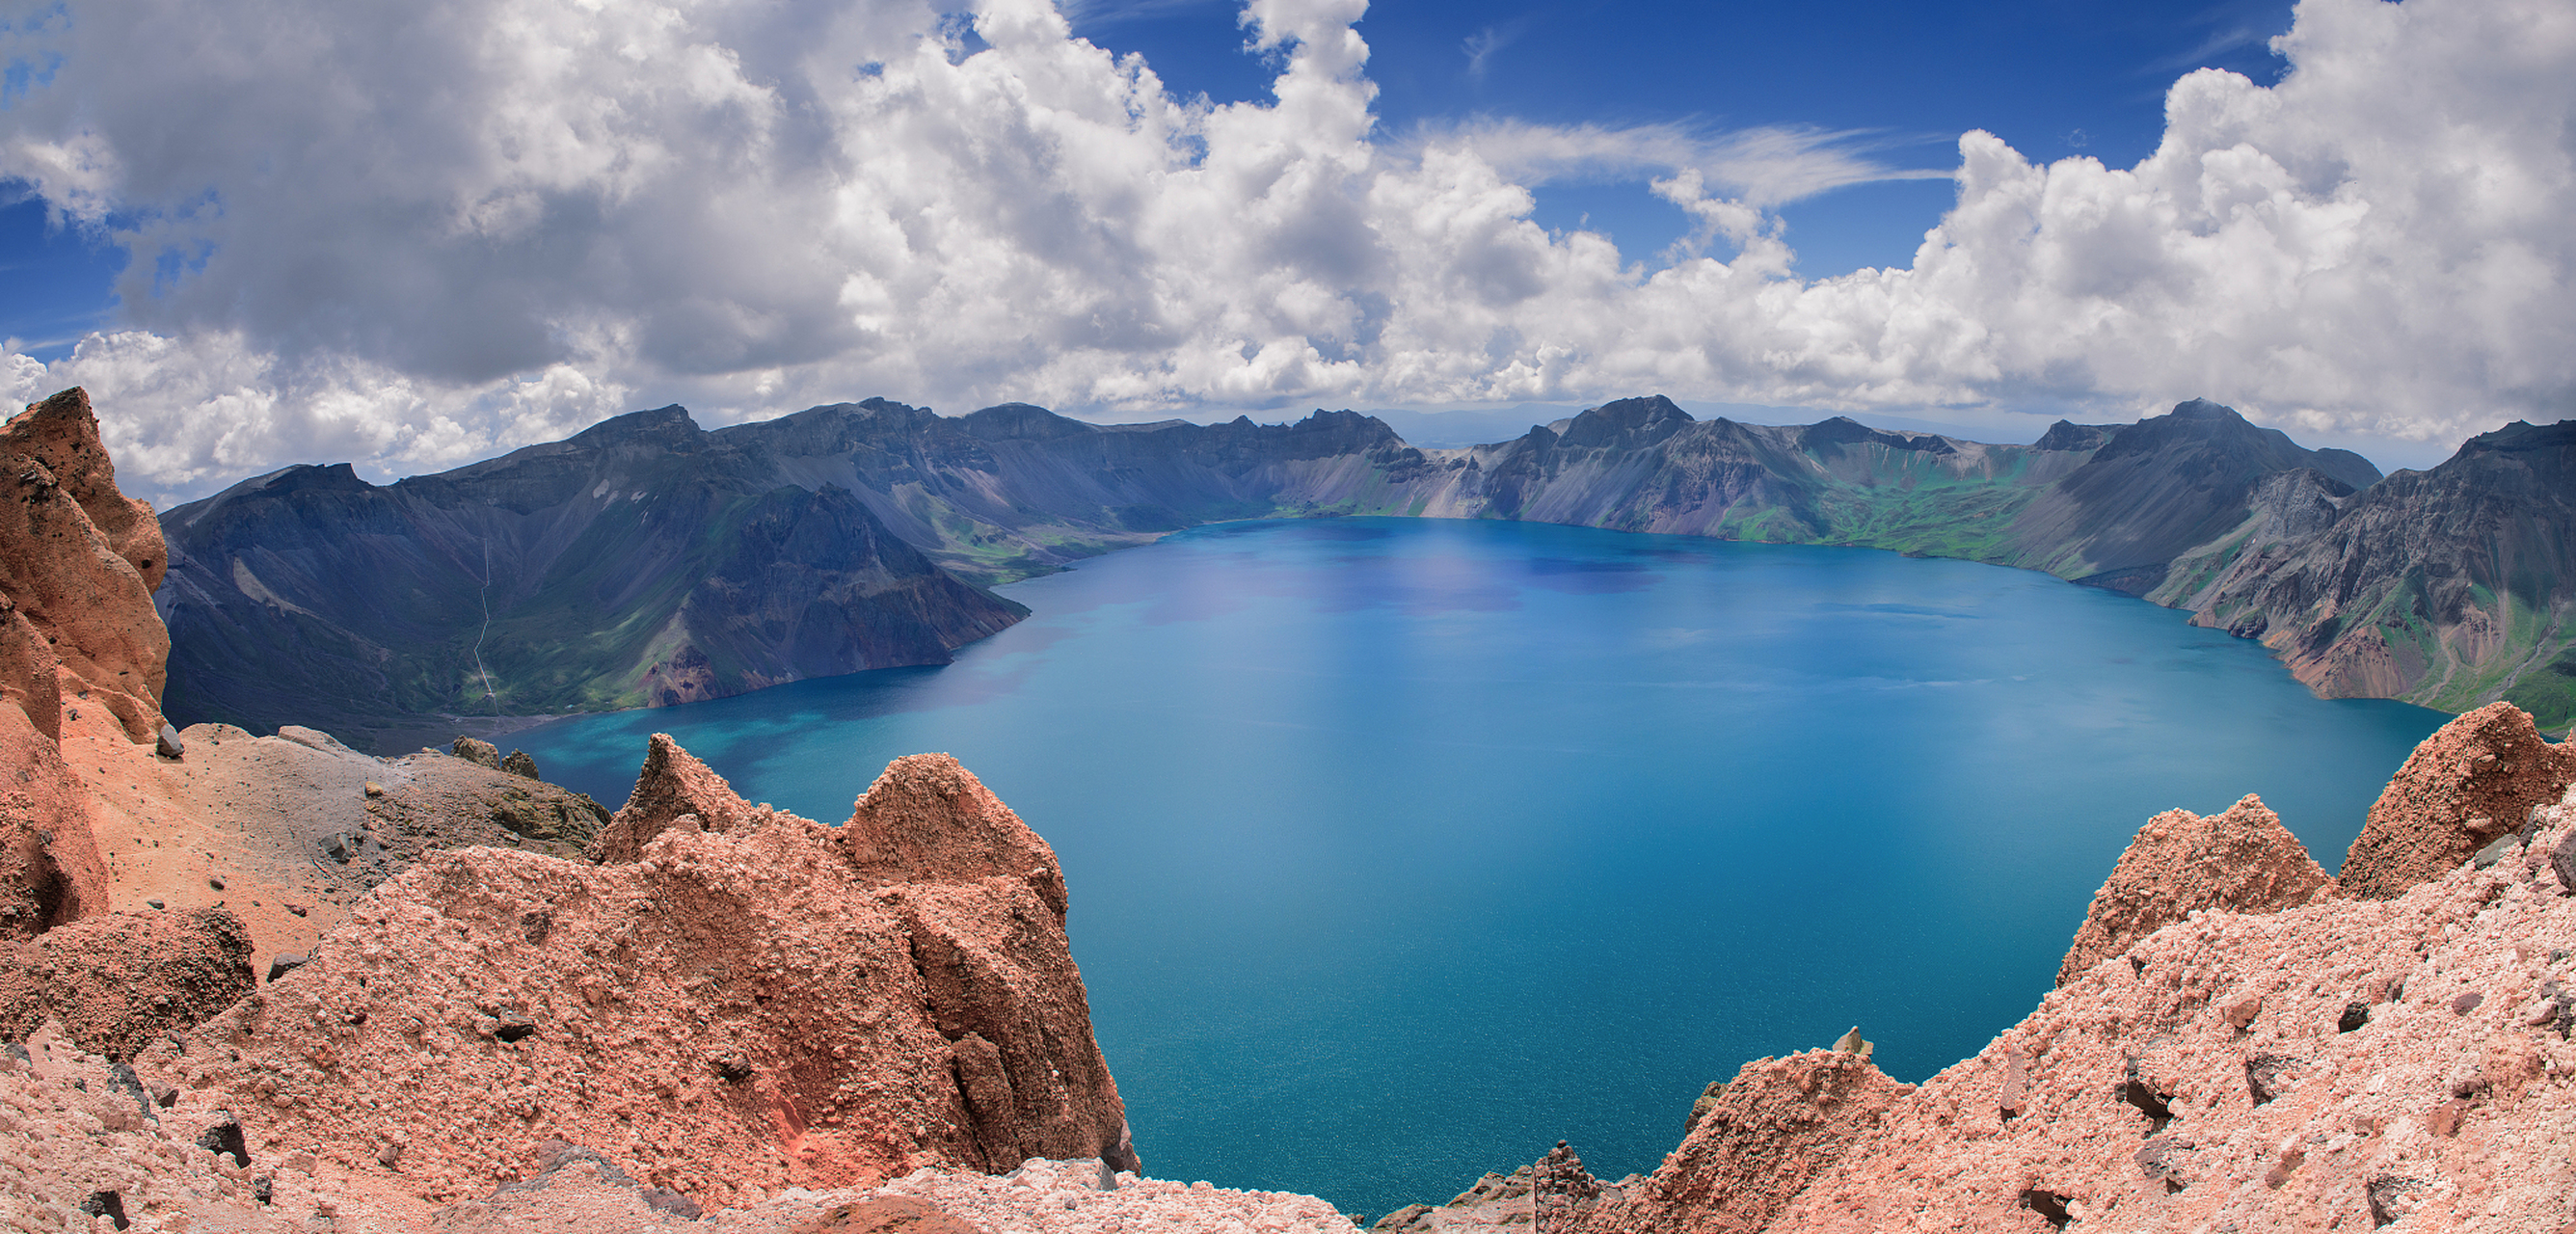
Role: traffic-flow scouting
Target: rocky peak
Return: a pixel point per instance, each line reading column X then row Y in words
column 2232, row 445
column 2068, row 435
column 1777, row 1126
column 1627, row 423
column 672, row 785
column 1021, row 421
column 2478, row 778
column 2240, row 861
column 1843, row 430
column 670, row 427
column 928, row 819
column 2522, row 436
column 62, row 433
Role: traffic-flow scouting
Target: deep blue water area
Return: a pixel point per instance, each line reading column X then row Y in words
column 1401, row 849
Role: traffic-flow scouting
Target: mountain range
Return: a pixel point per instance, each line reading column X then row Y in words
column 648, row 561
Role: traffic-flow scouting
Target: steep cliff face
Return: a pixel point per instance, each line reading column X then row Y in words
column 743, row 1007
column 642, row 562
column 2451, row 587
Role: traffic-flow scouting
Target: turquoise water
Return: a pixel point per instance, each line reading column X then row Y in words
column 1401, row 849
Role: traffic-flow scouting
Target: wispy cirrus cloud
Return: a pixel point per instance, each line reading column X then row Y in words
column 1763, row 167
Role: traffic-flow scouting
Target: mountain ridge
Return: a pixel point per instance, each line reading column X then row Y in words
column 2180, row 509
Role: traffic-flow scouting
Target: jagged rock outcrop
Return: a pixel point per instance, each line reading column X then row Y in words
column 927, row 815
column 116, row 982
column 674, row 785
column 1779, row 1124
column 737, row 1009
column 2474, row 780
column 2239, row 861
column 50, row 871
column 68, row 571
column 77, row 565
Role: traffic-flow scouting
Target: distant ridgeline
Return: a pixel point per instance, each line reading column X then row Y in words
column 646, row 561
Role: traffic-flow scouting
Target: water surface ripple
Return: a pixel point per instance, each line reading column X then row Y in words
column 1401, row 849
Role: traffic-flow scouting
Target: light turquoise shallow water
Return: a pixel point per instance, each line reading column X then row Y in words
column 1401, row 849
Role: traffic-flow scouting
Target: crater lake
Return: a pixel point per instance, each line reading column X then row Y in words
column 1401, row 849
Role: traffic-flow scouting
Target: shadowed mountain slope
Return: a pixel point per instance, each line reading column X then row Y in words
column 641, row 562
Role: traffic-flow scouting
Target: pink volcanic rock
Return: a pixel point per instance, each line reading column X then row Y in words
column 118, row 981
column 2474, row 780
column 64, row 570
column 927, row 812
column 2243, row 861
column 673, row 785
column 737, row 1009
column 1778, row 1124
column 50, row 870
column 62, row 433
column 2338, row 1065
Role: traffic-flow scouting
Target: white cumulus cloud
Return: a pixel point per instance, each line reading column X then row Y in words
column 412, row 234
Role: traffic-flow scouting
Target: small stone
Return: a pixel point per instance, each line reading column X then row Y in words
column 2268, row 1075
column 733, row 1067
column 2498, row 849
column 169, row 746
column 298, row 909
column 2354, row 1016
column 390, row 1156
column 1108, row 1178
column 374, row 789
column 512, row 1025
column 2562, row 860
column 263, row 1189
column 224, row 1136
column 155, row 904
column 2467, row 1003
column 215, row 882
column 107, row 1204
column 2392, row 1198
column 283, row 963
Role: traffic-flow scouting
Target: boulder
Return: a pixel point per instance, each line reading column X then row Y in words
column 477, row 751
column 519, row 763
column 2241, row 861
column 119, row 981
column 2472, row 781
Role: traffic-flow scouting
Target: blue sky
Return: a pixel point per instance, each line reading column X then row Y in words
column 2052, row 77
column 407, row 236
